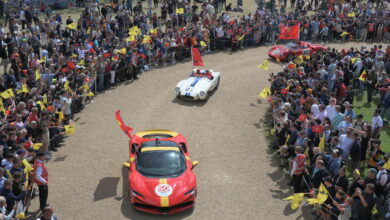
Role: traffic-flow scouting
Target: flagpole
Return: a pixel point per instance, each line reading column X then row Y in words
column 192, row 59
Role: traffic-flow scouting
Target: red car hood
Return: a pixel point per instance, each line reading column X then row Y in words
column 277, row 51
column 163, row 192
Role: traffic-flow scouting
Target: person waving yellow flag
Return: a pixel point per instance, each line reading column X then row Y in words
column 296, row 200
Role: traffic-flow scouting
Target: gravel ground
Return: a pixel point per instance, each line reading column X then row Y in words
column 237, row 176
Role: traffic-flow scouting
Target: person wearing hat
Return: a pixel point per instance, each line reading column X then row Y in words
column 41, row 178
column 334, row 162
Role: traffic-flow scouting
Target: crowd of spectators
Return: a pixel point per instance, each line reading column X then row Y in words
column 53, row 66
column 320, row 137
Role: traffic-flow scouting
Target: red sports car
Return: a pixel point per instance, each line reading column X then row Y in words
column 291, row 50
column 161, row 180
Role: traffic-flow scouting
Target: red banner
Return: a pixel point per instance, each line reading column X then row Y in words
column 289, row 33
column 196, row 57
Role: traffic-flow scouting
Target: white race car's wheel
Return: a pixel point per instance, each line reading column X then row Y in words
column 216, row 87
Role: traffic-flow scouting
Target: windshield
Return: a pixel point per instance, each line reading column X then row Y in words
column 161, row 163
column 291, row 46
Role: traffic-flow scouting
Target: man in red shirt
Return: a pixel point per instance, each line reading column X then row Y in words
column 41, row 178
column 298, row 168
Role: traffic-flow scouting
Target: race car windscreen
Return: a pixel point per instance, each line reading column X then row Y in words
column 161, row 163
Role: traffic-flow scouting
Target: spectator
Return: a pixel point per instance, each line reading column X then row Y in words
column 363, row 202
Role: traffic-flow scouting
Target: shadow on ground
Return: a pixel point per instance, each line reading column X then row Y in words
column 282, row 190
column 129, row 212
column 106, row 188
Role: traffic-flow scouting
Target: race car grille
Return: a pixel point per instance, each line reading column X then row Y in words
column 188, row 97
column 164, row 209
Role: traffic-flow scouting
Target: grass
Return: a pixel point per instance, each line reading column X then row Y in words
column 367, row 109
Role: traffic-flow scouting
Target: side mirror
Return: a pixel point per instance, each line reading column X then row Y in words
column 126, row 164
column 194, row 163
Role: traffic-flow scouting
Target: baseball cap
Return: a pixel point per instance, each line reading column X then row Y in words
column 380, row 163
column 373, row 170
column 21, row 151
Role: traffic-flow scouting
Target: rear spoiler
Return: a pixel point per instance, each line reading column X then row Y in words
column 128, row 130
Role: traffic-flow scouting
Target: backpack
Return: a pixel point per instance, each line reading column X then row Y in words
column 382, row 189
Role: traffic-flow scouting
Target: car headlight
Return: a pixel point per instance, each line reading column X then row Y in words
column 191, row 192
column 202, row 93
column 135, row 193
column 177, row 89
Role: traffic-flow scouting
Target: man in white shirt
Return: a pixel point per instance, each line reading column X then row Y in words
column 315, row 110
column 376, row 124
column 331, row 108
column 345, row 141
column 323, row 113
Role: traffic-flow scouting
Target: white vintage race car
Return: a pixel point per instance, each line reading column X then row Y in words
column 198, row 85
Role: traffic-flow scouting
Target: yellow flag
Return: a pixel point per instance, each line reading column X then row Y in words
column 7, row 94
column 344, row 34
column 241, row 37
column 20, row 215
column 72, row 26
column 27, row 165
column 298, row 60
column 130, row 38
column 89, row 30
column 288, row 137
column 43, row 107
column 60, row 116
column 2, row 109
column 36, row 146
column 353, row 60
column 265, row 93
column 351, row 15
column 387, row 165
column 363, row 76
column 81, row 63
column 264, row 65
column 37, row 75
column 24, row 89
column 90, row 94
column 179, row 11
column 312, row 201
column 323, row 193
column 42, row 60
column 321, row 145
column 122, row 51
column 69, row 129
column 154, row 31
column 45, row 99
column 134, row 31
column 296, row 200
column 146, row 39
column 203, row 43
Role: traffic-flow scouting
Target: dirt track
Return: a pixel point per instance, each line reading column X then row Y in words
column 237, row 178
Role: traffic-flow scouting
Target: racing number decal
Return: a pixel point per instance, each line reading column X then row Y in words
column 164, row 191
column 306, row 52
column 275, row 52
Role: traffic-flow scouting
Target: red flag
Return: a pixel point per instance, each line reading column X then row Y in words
column 92, row 50
column 106, row 55
column 71, row 65
column 64, row 70
column 289, row 33
column 122, row 126
column 196, row 58
column 302, row 118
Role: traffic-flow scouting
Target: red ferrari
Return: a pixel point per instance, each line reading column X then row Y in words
column 161, row 180
column 292, row 50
